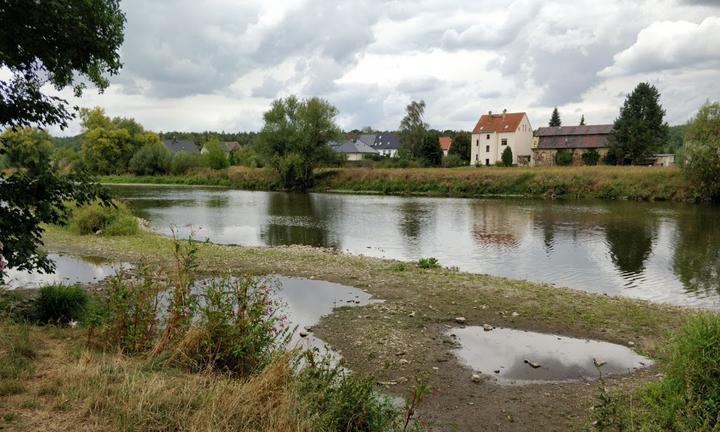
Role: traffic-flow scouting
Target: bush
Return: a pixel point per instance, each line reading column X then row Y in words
column 452, row 161
column 563, row 157
column 110, row 220
column 507, row 157
column 183, row 161
column 152, row 159
column 214, row 157
column 61, row 304
column 591, row 157
column 701, row 152
column 428, row 263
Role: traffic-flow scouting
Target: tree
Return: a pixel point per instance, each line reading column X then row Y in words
column 507, row 156
column 183, row 161
column 412, row 130
column 109, row 144
column 152, row 159
column 700, row 159
column 26, row 147
column 640, row 130
column 582, row 120
column 68, row 43
column 555, row 119
column 430, row 151
column 461, row 146
column 590, row 157
column 563, row 157
column 214, row 157
column 295, row 138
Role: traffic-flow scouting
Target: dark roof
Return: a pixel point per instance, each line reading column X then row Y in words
column 175, row 145
column 507, row 122
column 386, row 141
column 352, row 146
column 572, row 137
column 368, row 139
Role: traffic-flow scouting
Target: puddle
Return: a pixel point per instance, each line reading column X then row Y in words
column 68, row 270
column 509, row 356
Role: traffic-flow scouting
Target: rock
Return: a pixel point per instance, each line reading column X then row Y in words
column 515, row 314
column 487, row 327
column 404, row 361
column 497, row 371
column 303, row 334
column 631, row 343
column 411, row 314
column 435, row 368
column 400, row 353
column 98, row 232
column 308, row 329
column 598, row 363
column 476, row 378
column 532, row 364
column 387, row 383
column 460, row 320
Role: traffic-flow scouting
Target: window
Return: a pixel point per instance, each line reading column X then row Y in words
column 477, row 158
column 487, row 136
column 477, row 142
column 503, row 141
column 487, row 149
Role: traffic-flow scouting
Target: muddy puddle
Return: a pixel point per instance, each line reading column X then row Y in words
column 521, row 357
column 69, row 269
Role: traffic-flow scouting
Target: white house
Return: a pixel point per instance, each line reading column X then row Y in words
column 496, row 132
column 354, row 150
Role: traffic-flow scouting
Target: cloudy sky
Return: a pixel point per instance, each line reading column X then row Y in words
column 217, row 64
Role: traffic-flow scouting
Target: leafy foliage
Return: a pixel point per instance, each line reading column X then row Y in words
column 430, row 151
column 461, row 146
column 214, row 156
column 507, row 157
column 701, row 154
column 640, row 130
column 152, row 159
column 26, row 147
column 295, row 138
column 590, row 157
column 61, row 304
column 109, row 219
column 413, row 130
column 428, row 263
column 563, row 157
column 555, row 119
column 183, row 162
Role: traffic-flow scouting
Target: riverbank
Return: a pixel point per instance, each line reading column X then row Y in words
column 405, row 336
column 599, row 182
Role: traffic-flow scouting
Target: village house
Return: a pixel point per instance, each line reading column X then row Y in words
column 176, row 145
column 386, row 144
column 493, row 133
column 575, row 139
column 353, row 149
column 445, row 144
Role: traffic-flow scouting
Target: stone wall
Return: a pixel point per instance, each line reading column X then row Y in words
column 546, row 157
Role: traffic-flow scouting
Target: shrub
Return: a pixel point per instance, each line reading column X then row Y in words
column 152, row 159
column 563, row 157
column 701, row 153
column 507, row 157
column 591, row 157
column 428, row 263
column 183, row 161
column 214, row 157
column 113, row 220
column 61, row 304
column 452, row 161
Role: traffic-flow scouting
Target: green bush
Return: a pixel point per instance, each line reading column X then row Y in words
column 563, row 157
column 61, row 304
column 700, row 156
column 428, row 263
column 183, row 161
column 452, row 161
column 114, row 220
column 591, row 157
column 507, row 157
column 214, row 157
column 152, row 159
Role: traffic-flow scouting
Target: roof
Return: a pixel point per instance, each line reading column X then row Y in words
column 572, row 137
column 368, row 139
column 386, row 141
column 445, row 142
column 575, row 130
column 490, row 123
column 230, row 145
column 175, row 145
column 352, row 146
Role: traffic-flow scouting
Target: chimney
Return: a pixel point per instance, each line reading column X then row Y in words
column 504, row 112
column 489, row 113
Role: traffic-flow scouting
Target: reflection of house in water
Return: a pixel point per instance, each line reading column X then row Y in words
column 496, row 224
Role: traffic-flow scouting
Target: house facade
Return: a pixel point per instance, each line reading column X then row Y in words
column 445, row 144
column 574, row 139
column 353, row 149
column 493, row 133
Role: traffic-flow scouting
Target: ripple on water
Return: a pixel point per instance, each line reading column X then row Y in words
column 510, row 356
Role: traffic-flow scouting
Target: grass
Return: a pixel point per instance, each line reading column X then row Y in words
column 17, row 353
column 603, row 182
column 61, row 304
column 115, row 220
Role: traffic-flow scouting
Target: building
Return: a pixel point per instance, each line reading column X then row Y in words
column 176, row 145
column 353, row 149
column 493, row 133
column 229, row 145
column 445, row 144
column 575, row 139
column 387, row 144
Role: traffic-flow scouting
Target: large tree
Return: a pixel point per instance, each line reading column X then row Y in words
column 555, row 118
column 295, row 138
column 461, row 146
column 430, row 151
column 640, row 130
column 413, row 130
column 60, row 44
column 700, row 155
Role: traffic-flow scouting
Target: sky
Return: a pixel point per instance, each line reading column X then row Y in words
column 217, row 65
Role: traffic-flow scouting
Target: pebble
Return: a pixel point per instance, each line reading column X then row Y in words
column 631, row 343
column 303, row 334
column 476, row 378
column 404, row 361
column 487, row 327
column 515, row 314
column 532, row 364
column 460, row 320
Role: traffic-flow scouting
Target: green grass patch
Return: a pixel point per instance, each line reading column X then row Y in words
column 112, row 220
column 61, row 304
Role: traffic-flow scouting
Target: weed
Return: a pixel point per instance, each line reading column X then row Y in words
column 113, row 220
column 61, row 304
column 428, row 263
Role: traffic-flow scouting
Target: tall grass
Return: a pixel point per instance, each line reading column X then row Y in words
column 17, row 353
column 115, row 220
column 61, row 304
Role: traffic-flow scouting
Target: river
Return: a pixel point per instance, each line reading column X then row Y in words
column 661, row 252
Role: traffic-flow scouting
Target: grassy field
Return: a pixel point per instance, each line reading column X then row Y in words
column 602, row 182
column 419, row 305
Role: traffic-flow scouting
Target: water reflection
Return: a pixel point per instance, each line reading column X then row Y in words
column 656, row 251
column 68, row 270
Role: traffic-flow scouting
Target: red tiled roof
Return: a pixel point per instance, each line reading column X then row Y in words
column 445, row 143
column 507, row 122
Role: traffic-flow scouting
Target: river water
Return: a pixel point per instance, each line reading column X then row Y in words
column 657, row 251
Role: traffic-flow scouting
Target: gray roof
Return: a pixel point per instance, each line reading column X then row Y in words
column 175, row 145
column 386, row 141
column 574, row 130
column 352, row 146
column 368, row 139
